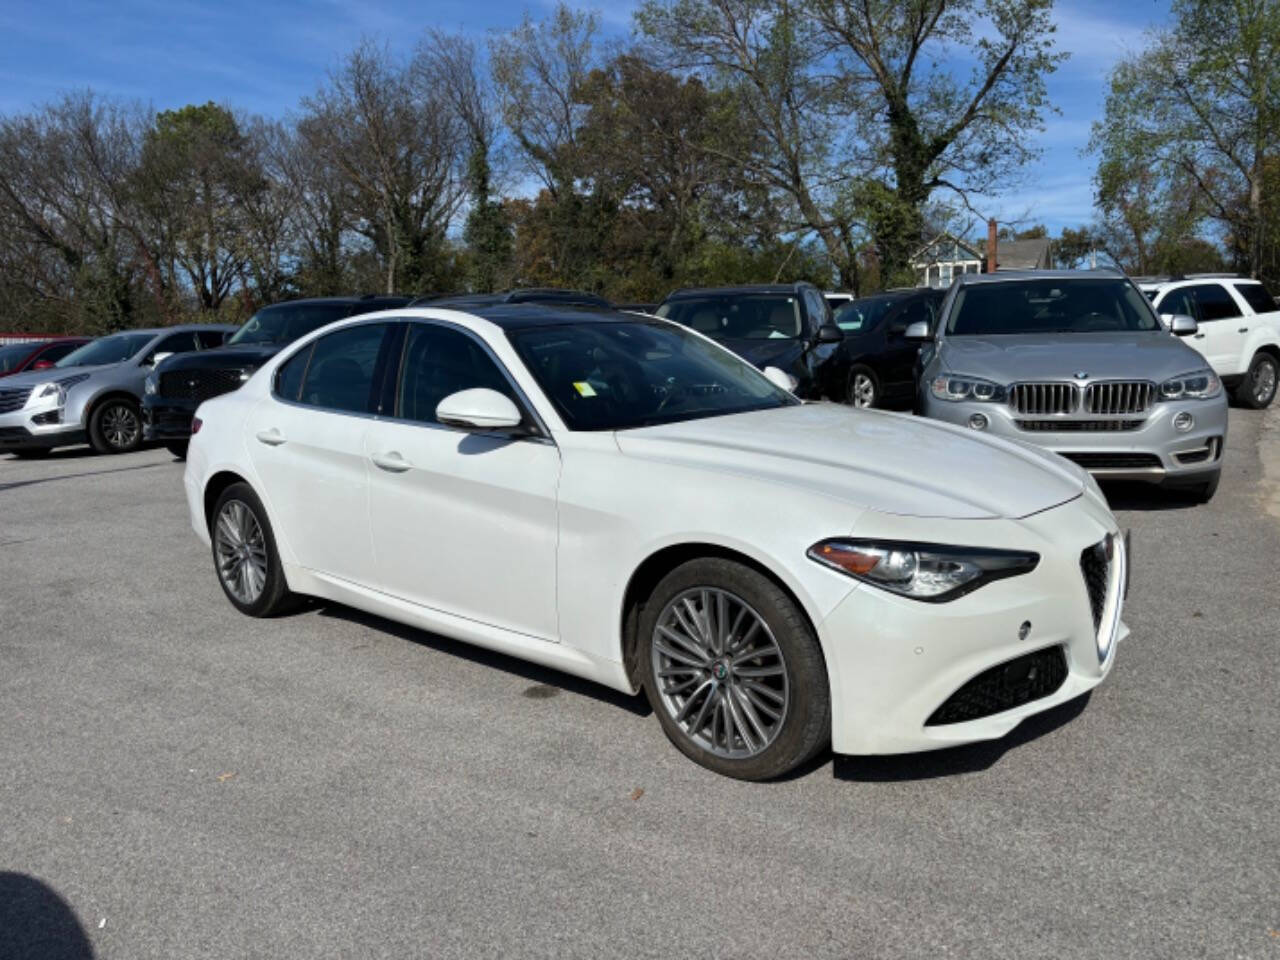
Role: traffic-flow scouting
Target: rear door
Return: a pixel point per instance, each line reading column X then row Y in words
column 463, row 522
column 306, row 442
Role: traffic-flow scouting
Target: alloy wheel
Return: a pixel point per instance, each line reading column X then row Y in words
column 242, row 552
column 1264, row 381
column 120, row 426
column 862, row 391
column 720, row 672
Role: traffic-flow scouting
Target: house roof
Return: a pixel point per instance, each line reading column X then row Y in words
column 1023, row 254
column 959, row 250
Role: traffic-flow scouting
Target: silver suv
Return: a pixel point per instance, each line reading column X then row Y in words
column 94, row 393
column 1078, row 362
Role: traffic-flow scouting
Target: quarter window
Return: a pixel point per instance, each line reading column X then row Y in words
column 439, row 362
column 1257, row 296
column 1214, row 302
column 337, row 372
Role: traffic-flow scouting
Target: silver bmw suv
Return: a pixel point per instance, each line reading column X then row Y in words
column 1077, row 361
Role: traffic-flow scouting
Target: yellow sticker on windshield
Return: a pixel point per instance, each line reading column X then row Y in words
column 584, row 388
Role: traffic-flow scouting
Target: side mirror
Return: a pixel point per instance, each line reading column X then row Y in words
column 157, row 357
column 828, row 333
column 1182, row 325
column 42, row 365
column 780, row 378
column 918, row 331
column 478, row 409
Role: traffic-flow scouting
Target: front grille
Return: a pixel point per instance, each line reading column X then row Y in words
column 1114, row 461
column 1119, row 397
column 1044, row 398
column 198, row 385
column 1078, row 426
column 1003, row 687
column 15, row 398
column 1095, row 564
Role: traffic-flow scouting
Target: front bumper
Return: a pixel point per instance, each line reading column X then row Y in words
column 1149, row 449
column 894, row 662
column 166, row 418
column 41, row 424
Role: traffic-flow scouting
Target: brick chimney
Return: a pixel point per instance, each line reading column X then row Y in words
column 991, row 246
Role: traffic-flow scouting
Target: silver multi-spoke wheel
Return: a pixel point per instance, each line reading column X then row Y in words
column 1264, row 382
column 241, row 552
column 720, row 673
column 862, row 390
column 120, row 426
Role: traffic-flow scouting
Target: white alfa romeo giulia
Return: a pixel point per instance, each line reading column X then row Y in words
column 620, row 498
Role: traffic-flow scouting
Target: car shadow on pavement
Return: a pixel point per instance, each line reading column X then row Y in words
column 14, row 485
column 971, row 758
column 547, row 682
column 37, row 924
column 1122, row 495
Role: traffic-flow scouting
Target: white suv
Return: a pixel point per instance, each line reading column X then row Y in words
column 1239, row 328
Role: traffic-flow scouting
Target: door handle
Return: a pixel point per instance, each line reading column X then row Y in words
column 1199, row 336
column 1243, row 330
column 272, row 437
column 391, row 461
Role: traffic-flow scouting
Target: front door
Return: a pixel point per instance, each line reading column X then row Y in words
column 463, row 522
column 1219, row 318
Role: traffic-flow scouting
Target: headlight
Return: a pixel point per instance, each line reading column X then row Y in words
column 956, row 387
column 1197, row 385
column 932, row 572
column 151, row 386
column 45, row 390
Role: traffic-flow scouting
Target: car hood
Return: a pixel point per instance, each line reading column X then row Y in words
column 33, row 377
column 249, row 357
column 1061, row 356
column 887, row 462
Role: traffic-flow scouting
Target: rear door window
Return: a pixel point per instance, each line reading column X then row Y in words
column 1257, row 296
column 338, row 371
column 1214, row 302
column 183, row 342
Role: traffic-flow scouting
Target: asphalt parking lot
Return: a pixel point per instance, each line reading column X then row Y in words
column 189, row 782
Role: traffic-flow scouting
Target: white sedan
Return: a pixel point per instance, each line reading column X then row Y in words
column 622, row 499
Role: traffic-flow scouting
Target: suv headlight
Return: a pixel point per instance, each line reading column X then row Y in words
column 933, row 572
column 958, row 387
column 43, row 391
column 1197, row 385
column 151, row 385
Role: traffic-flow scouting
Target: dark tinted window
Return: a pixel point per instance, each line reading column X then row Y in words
column 176, row 343
column 286, row 322
column 609, row 376
column 1049, row 306
column 289, row 374
column 340, row 374
column 57, row 351
column 919, row 310
column 738, row 316
column 1178, row 302
column 1214, row 302
column 439, row 362
column 860, row 315
column 211, row 338
column 1257, row 296
column 11, row 356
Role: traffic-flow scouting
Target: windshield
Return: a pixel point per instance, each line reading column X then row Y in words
column 610, row 376
column 1050, row 306
column 286, row 322
column 116, row 348
column 863, row 314
column 11, row 356
column 738, row 316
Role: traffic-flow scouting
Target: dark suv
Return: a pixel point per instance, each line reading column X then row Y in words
column 787, row 326
column 181, row 383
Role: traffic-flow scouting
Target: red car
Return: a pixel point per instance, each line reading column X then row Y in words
column 36, row 355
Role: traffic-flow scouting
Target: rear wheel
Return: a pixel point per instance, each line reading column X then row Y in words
column 115, row 426
column 178, row 448
column 733, row 671
column 864, row 388
column 245, row 556
column 1258, row 388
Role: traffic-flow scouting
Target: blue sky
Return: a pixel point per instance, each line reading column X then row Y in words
column 265, row 56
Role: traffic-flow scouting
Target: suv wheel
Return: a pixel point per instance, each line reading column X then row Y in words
column 178, row 448
column 115, row 426
column 1258, row 388
column 864, row 389
column 733, row 671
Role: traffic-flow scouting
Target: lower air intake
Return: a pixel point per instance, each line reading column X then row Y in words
column 1003, row 687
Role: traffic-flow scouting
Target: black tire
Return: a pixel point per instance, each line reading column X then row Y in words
column 1204, row 493
column 115, row 426
column 1258, row 387
column 178, row 448
column 275, row 597
column 32, row 453
column 805, row 725
column 863, row 388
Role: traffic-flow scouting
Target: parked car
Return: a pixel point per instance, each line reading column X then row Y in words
column 837, row 299
column 786, row 326
column 94, row 393
column 881, row 360
column 18, row 358
column 549, row 295
column 1077, row 362
column 179, row 385
column 1239, row 329
column 619, row 498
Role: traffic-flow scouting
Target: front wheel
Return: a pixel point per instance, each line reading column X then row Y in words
column 245, row 556
column 733, row 670
column 178, row 448
column 1258, row 388
column 864, row 388
column 115, row 426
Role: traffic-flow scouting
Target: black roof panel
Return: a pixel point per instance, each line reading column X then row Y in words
column 519, row 316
